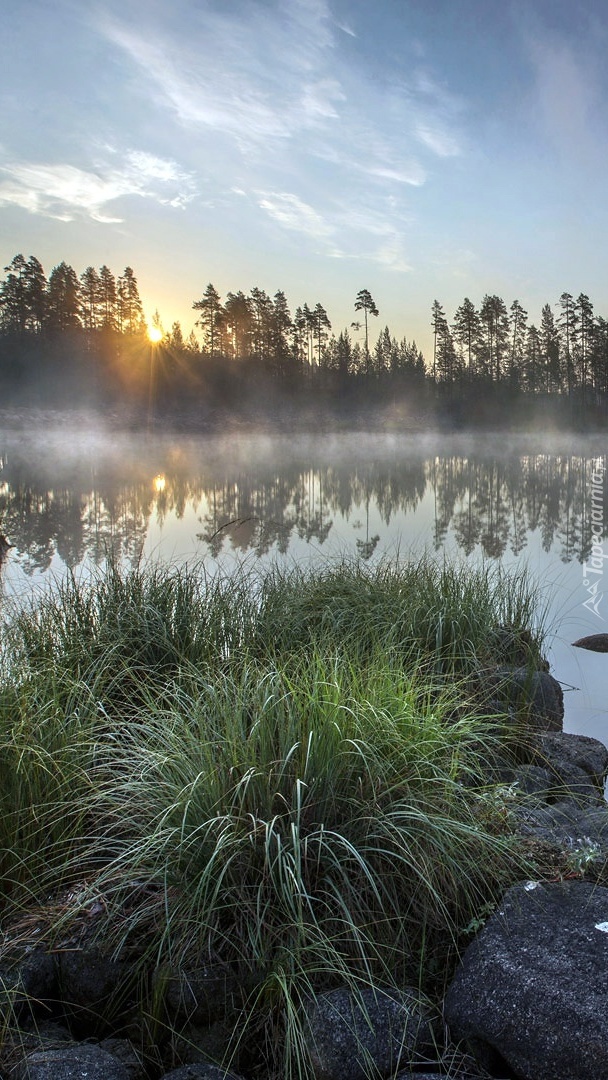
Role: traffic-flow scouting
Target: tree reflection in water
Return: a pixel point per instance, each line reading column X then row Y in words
column 73, row 508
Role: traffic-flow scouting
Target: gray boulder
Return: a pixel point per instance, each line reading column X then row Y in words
column 373, row 1033
column 535, row 694
column 532, row 989
column 125, row 1052
column 565, row 825
column 420, row 1076
column 28, row 979
column 199, row 994
column 70, row 1063
column 209, row 1043
column 595, row 642
column 92, row 984
column 565, row 754
column 200, row 1071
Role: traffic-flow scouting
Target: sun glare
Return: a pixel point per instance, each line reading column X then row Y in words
column 155, row 334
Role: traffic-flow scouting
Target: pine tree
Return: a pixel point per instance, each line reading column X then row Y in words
column 550, row 356
column 237, row 314
column 466, row 330
column 365, row 303
column 212, row 320
column 518, row 320
column 567, row 325
column 130, row 315
column 63, row 299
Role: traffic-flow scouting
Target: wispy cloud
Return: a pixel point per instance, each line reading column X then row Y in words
column 272, row 76
column 275, row 106
column 252, row 77
column 567, row 97
column 440, row 141
column 65, row 192
column 414, row 175
column 390, row 256
column 292, row 213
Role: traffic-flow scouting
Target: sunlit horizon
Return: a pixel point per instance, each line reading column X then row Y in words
column 436, row 151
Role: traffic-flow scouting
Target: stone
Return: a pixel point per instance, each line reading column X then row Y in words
column 594, row 642
column 209, row 1043
column 70, row 1063
column 531, row 780
column 38, row 1034
column 560, row 751
column 535, row 693
column 92, row 983
column 376, row 1031
column 516, row 646
column 199, row 994
column 125, row 1052
column 420, row 1076
column 28, row 980
column 200, row 1071
column 564, row 824
column 531, row 990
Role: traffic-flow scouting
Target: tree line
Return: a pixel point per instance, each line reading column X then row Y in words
column 97, row 300
column 566, row 353
column 92, row 327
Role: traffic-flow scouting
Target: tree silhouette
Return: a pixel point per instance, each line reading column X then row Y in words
column 365, row 303
column 212, row 319
column 63, row 299
column 130, row 310
column 466, row 329
column 23, row 296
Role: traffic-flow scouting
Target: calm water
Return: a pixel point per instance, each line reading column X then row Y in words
column 71, row 491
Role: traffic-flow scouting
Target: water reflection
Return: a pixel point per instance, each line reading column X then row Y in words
column 68, row 496
column 72, row 501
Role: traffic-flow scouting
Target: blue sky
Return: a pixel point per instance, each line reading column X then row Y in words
column 420, row 149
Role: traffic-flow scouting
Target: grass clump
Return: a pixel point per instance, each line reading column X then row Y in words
column 281, row 776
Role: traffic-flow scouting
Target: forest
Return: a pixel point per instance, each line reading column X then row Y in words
column 84, row 339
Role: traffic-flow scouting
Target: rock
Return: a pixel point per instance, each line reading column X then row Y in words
column 92, row 983
column 124, row 1051
column 70, row 1063
column 594, row 642
column 28, row 980
column 565, row 824
column 560, row 751
column 5, row 547
column 211, row 1043
column 200, row 1071
column 349, row 1036
column 535, row 693
column 420, row 1076
column 199, row 994
column 516, row 646
column 550, row 785
column 531, row 780
column 532, row 988
column 18, row 1042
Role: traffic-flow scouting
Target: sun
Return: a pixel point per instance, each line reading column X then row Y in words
column 154, row 334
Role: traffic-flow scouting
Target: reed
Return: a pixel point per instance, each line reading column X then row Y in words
column 284, row 774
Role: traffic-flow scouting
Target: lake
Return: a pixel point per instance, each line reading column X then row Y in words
column 72, row 488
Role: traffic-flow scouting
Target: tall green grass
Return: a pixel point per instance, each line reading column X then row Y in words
column 283, row 774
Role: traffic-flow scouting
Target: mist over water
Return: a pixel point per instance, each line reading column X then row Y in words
column 70, row 492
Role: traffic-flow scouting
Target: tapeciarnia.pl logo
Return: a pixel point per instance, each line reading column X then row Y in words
column 593, row 571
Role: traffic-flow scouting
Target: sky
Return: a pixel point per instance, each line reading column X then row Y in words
column 420, row 149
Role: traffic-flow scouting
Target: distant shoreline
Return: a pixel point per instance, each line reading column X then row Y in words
column 309, row 416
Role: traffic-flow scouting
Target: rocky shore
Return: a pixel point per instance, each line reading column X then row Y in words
column 528, row 1000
